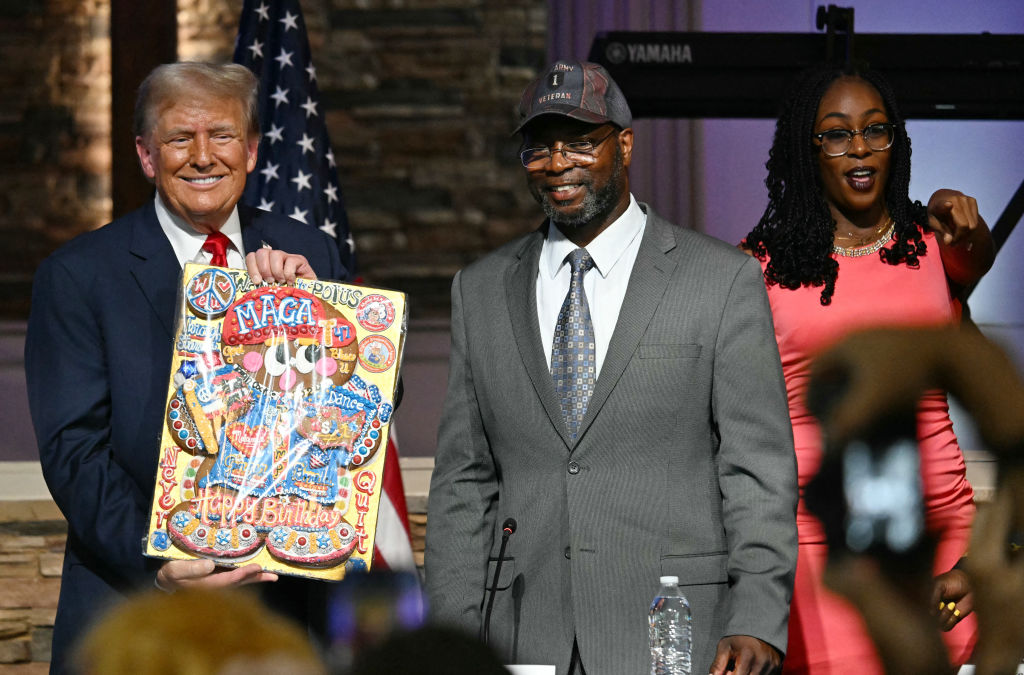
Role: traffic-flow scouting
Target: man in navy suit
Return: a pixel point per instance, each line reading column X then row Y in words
column 99, row 344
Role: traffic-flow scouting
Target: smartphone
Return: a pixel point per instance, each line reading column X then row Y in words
column 881, row 488
column 869, row 495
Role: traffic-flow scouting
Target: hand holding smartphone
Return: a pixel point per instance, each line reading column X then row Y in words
column 868, row 493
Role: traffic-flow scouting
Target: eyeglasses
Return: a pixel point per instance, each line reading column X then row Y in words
column 577, row 152
column 837, row 142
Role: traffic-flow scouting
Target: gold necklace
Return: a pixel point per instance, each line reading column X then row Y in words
column 856, row 252
column 862, row 239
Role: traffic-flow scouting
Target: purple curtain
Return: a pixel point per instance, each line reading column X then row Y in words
column 664, row 172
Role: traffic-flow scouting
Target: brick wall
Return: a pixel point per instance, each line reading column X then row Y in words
column 32, row 537
column 54, row 132
column 419, row 98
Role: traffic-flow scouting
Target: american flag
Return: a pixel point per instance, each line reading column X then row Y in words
column 297, row 176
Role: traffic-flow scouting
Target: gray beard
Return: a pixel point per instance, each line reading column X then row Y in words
column 595, row 204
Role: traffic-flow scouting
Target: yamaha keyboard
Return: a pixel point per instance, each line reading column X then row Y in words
column 746, row 74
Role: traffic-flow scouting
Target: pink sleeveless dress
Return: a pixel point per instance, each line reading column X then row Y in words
column 826, row 635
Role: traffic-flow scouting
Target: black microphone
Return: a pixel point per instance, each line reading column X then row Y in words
column 507, row 529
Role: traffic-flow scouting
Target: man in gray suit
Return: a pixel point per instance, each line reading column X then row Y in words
column 615, row 388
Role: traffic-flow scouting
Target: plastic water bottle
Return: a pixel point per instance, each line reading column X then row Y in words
column 670, row 630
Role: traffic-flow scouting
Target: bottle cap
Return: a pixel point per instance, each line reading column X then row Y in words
column 669, row 580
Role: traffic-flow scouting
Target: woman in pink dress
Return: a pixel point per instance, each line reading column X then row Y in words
column 843, row 247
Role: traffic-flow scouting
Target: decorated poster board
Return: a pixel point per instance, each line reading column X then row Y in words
column 276, row 424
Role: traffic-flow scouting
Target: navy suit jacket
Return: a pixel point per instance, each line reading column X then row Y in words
column 97, row 359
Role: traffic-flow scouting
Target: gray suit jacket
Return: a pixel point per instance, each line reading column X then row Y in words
column 684, row 463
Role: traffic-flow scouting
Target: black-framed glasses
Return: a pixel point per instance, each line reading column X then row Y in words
column 577, row 152
column 837, row 142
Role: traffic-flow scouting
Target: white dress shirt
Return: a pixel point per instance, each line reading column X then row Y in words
column 188, row 243
column 614, row 252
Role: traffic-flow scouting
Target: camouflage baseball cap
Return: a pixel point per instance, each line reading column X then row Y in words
column 578, row 89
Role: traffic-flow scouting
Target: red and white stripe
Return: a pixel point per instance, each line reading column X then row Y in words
column 392, row 546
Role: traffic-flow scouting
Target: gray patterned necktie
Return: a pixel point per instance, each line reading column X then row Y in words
column 573, row 356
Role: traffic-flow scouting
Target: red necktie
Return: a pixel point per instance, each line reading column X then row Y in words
column 217, row 244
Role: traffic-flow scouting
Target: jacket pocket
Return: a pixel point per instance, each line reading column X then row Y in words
column 666, row 351
column 508, row 572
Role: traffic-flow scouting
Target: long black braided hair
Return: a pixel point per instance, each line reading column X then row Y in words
column 796, row 230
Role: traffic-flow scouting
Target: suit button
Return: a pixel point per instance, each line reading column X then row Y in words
column 574, row 468
column 568, row 553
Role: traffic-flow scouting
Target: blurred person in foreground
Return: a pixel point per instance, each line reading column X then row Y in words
column 195, row 632
column 842, row 247
column 900, row 616
column 431, row 650
column 100, row 338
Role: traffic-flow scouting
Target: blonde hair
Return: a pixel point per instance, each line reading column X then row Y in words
column 172, row 81
column 194, row 632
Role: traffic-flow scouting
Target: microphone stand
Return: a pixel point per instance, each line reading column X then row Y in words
column 507, row 528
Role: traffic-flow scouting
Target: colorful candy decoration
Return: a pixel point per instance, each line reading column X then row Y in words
column 275, row 414
column 210, row 292
column 211, row 541
column 314, row 548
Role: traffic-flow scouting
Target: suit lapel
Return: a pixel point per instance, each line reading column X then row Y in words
column 253, row 236
column 521, row 298
column 647, row 283
column 155, row 268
